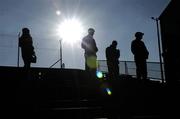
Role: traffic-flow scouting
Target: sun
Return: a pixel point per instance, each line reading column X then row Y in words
column 70, row 30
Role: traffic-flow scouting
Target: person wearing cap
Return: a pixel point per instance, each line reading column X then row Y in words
column 141, row 54
column 112, row 57
column 27, row 49
column 89, row 45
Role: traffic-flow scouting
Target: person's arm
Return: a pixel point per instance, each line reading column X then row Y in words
column 132, row 48
column 20, row 42
column 95, row 46
column 146, row 52
column 107, row 55
column 31, row 42
column 118, row 53
column 83, row 44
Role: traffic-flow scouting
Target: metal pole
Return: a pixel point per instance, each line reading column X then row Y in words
column 126, row 68
column 60, row 53
column 18, row 50
column 159, row 47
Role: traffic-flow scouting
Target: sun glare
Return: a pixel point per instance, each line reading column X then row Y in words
column 71, row 31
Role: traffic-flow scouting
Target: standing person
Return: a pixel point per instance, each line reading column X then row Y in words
column 112, row 57
column 141, row 54
column 89, row 45
column 27, row 49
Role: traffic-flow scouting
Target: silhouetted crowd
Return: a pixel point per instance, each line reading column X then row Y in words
column 138, row 49
column 88, row 43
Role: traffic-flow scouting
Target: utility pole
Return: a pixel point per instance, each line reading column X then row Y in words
column 60, row 55
column 159, row 47
column 60, row 52
column 18, row 51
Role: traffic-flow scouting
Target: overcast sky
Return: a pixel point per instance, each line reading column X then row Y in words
column 111, row 19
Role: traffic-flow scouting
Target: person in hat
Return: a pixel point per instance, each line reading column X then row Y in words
column 112, row 57
column 27, row 49
column 141, row 54
column 89, row 45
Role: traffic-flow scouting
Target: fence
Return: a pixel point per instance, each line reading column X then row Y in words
column 129, row 68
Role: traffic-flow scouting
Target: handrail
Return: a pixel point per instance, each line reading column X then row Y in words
column 129, row 68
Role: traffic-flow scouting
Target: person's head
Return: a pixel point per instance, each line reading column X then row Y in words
column 139, row 35
column 114, row 43
column 91, row 31
column 25, row 31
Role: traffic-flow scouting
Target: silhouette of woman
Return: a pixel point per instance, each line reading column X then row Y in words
column 27, row 49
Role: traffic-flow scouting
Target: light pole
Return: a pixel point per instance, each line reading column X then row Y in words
column 159, row 47
column 60, row 52
column 18, row 51
column 60, row 55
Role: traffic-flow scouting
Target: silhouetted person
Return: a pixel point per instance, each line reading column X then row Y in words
column 112, row 57
column 27, row 49
column 89, row 45
column 141, row 54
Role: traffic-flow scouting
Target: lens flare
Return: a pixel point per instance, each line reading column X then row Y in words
column 108, row 91
column 99, row 74
column 91, row 62
column 58, row 12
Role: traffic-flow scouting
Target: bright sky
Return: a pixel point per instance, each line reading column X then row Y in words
column 112, row 20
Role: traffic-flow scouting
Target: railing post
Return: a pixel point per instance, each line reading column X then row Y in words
column 126, row 68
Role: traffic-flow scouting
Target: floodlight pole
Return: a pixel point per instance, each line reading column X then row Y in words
column 60, row 41
column 60, row 55
column 18, row 51
column 159, row 47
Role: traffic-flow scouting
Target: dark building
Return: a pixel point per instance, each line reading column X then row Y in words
column 170, row 35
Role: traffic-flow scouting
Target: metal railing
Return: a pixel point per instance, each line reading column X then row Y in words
column 129, row 68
